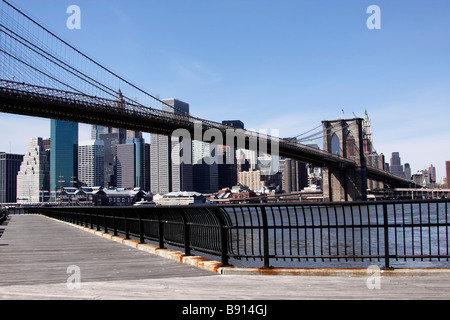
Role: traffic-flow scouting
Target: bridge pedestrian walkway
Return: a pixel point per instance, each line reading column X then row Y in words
column 36, row 252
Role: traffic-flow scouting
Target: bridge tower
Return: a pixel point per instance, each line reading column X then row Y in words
column 344, row 137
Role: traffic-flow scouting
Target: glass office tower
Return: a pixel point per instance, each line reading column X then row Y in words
column 63, row 155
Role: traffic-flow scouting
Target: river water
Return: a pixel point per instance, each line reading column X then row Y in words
column 345, row 236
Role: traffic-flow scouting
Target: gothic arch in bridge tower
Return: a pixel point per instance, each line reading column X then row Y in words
column 334, row 148
column 344, row 137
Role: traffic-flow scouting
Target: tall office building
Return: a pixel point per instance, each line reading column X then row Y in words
column 110, row 141
column 408, row 171
column 295, row 176
column 63, row 155
column 205, row 171
column 160, row 163
column 367, row 134
column 111, row 137
column 228, row 168
column 432, row 171
column 9, row 167
column 133, row 164
column 91, row 161
column 395, row 165
column 126, row 170
column 33, row 178
column 168, row 172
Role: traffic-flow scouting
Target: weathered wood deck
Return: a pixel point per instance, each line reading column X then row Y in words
column 35, row 253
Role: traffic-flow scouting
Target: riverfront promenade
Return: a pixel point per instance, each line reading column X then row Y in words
column 36, row 252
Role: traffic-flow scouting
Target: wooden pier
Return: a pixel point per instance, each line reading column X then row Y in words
column 36, row 253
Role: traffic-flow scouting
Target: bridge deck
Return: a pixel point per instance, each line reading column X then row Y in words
column 35, row 253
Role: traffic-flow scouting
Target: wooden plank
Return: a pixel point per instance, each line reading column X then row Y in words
column 35, row 253
column 35, row 250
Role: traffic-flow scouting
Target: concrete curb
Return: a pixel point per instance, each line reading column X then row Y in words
column 216, row 267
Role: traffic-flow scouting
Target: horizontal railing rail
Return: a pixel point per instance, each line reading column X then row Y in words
column 340, row 232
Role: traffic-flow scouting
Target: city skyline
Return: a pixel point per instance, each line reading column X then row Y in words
column 313, row 59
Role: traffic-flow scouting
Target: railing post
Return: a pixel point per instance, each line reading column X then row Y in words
column 187, row 233
column 141, row 228
column 96, row 218
column 223, row 233
column 114, row 222
column 265, row 238
column 160, row 231
column 127, row 231
column 105, row 221
column 386, row 237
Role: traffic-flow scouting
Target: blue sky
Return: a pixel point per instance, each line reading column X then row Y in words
column 282, row 64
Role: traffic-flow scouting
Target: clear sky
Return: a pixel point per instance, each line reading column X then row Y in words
column 274, row 64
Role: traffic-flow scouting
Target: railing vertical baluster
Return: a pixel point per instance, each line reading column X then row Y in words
column 127, row 229
column 386, row 237
column 160, row 231
column 187, row 233
column 105, row 221
column 97, row 221
column 223, row 233
column 265, row 238
column 114, row 223
column 141, row 229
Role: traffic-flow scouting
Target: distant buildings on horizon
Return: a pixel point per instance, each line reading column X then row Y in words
column 118, row 158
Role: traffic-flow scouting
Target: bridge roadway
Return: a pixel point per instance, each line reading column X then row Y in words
column 35, row 253
column 31, row 100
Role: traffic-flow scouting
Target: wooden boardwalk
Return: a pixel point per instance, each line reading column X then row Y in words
column 35, row 253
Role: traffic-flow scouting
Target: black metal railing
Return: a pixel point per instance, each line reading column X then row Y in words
column 200, row 228
column 284, row 234
column 342, row 232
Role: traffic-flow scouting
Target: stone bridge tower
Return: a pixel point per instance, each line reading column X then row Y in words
column 344, row 137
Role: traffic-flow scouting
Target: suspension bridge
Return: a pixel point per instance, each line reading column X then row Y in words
column 42, row 75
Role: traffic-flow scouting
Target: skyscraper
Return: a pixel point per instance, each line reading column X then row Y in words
column 9, row 167
column 33, row 178
column 432, row 171
column 133, row 164
column 63, row 155
column 91, row 161
column 205, row 173
column 395, row 165
column 110, row 141
column 168, row 172
column 228, row 168
column 111, row 137
column 407, row 171
column 367, row 134
column 126, row 170
column 295, row 176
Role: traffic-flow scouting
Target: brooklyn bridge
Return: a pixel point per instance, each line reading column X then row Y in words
column 44, row 76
